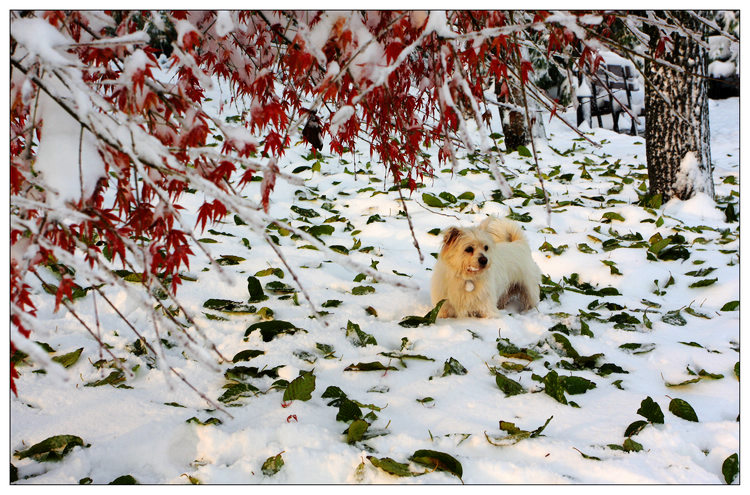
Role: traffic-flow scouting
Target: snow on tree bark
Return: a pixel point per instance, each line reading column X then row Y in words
column 677, row 134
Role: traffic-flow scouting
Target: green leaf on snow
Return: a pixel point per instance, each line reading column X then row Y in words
column 300, row 388
column 428, row 319
column 453, row 367
column 730, row 468
column 508, row 386
column 247, row 355
column 357, row 336
column 514, row 434
column 356, row 430
column 228, row 306
column 635, row 427
column 651, row 411
column 69, row 359
column 255, row 289
column 674, row 318
column 52, row 449
column 273, row 328
column 431, row 200
column 237, row 391
column 731, row 306
column 361, row 290
column 370, row 366
column 440, row 461
column 272, row 465
column 392, row 467
column 682, row 409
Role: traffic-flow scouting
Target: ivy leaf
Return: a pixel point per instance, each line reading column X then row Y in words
column 589, row 457
column 630, row 445
column 554, row 388
column 357, row 336
column 441, row 461
column 229, row 259
column 362, row 290
column 247, row 355
column 255, row 289
column 209, row 421
column 304, row 212
column 701, row 273
column 356, row 431
column 651, row 411
column 432, row 201
column 371, row 366
column 238, row 390
column 448, row 197
column 638, row 348
column 730, row 468
column 272, row 465
column 392, row 467
column 228, row 306
column 273, row 328
column 635, row 427
column 279, row 287
column 453, row 367
column 576, row 385
column 585, row 248
column 428, row 319
column 514, row 434
column 674, row 318
column 523, row 151
column 240, row 373
column 348, row 410
column 508, row 386
column 703, row 283
column 731, row 306
column 682, row 409
column 320, row 230
column 52, row 449
column 525, row 217
column 69, row 359
column 115, row 377
column 611, row 215
column 126, row 479
column 300, row 388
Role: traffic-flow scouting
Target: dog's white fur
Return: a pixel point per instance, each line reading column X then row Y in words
column 473, row 289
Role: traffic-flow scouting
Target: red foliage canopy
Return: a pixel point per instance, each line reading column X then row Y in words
column 399, row 81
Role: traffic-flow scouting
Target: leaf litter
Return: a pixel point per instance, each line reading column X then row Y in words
column 643, row 263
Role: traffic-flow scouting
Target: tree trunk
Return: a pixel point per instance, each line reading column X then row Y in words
column 678, row 148
column 515, row 132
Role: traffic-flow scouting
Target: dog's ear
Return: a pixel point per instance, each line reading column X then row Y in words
column 451, row 235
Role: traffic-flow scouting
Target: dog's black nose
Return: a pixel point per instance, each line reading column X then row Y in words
column 483, row 260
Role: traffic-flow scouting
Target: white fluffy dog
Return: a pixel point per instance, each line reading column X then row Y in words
column 480, row 269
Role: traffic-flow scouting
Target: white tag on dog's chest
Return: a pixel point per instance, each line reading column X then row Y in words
column 469, row 286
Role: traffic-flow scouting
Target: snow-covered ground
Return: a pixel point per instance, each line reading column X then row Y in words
column 627, row 322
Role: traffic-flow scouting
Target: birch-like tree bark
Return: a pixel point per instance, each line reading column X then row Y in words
column 677, row 132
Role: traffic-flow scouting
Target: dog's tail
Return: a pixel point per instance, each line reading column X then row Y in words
column 503, row 230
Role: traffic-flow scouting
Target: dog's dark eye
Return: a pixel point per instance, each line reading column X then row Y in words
column 469, row 249
column 486, row 248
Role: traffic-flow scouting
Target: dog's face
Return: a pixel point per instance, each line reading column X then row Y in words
column 466, row 251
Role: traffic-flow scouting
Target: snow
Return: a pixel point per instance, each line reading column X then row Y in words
column 340, row 118
column 136, row 431
column 71, row 166
column 721, row 70
column 41, row 39
column 224, row 24
column 692, row 175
